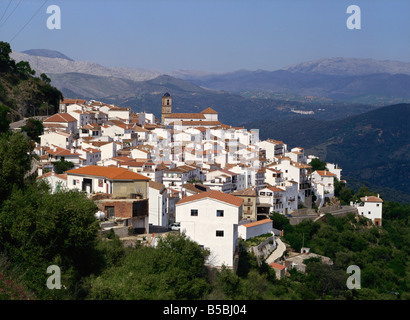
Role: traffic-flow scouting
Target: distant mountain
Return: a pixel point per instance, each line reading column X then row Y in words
column 365, row 81
column 338, row 87
column 46, row 53
column 188, row 97
column 58, row 65
column 350, row 67
column 373, row 147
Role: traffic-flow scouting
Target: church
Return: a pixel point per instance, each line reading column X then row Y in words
column 206, row 118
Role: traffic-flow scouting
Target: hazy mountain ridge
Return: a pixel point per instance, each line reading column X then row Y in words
column 46, row 53
column 60, row 65
column 350, row 67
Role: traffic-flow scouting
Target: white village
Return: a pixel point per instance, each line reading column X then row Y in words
column 188, row 172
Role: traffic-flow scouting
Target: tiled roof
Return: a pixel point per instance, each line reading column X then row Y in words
column 245, row 192
column 197, row 123
column 72, row 101
column 325, row 173
column 257, row 223
column 112, row 173
column 277, row 266
column 185, row 116
column 209, row 111
column 371, row 199
column 156, row 185
column 213, row 194
column 60, row 117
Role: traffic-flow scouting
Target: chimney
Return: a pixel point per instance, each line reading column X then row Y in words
column 365, row 198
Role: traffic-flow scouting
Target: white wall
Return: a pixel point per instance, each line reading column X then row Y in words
column 203, row 227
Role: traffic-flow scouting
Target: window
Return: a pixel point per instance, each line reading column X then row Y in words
column 219, row 233
column 219, row 213
column 269, row 193
column 74, row 182
column 377, row 205
column 110, row 212
column 262, row 193
column 194, row 212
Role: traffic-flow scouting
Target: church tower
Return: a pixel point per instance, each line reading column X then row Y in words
column 166, row 106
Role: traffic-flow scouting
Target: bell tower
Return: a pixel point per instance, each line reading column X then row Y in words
column 166, row 106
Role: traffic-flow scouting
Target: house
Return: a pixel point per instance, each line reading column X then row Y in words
column 280, row 270
column 370, row 207
column 120, row 193
column 56, row 181
column 60, row 139
column 63, row 120
column 177, row 176
column 211, row 219
column 158, row 214
column 251, row 229
column 327, row 179
column 250, row 197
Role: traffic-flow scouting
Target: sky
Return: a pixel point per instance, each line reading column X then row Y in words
column 208, row 35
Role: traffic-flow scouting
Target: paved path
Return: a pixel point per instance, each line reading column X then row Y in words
column 278, row 252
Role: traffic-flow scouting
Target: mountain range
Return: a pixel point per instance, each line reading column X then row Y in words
column 324, row 89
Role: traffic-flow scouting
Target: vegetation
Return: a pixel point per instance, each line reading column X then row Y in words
column 21, row 92
column 317, row 164
column 39, row 229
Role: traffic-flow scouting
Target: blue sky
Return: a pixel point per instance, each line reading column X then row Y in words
column 211, row 35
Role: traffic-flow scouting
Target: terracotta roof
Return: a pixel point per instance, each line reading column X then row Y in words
column 251, row 192
column 257, row 223
column 72, row 101
column 371, row 199
column 197, row 123
column 325, row 173
column 277, row 266
column 61, row 151
column 185, row 116
column 112, row 173
column 156, row 185
column 61, row 117
column 213, row 194
column 209, row 111
column 275, row 189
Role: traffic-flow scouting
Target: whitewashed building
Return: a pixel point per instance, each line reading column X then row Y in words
column 211, row 219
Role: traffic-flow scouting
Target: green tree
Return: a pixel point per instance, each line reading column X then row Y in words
column 34, row 128
column 5, row 61
column 39, row 229
column 317, row 164
column 4, row 122
column 62, row 166
column 173, row 270
column 15, row 162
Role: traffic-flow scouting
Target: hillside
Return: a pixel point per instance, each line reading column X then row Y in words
column 21, row 91
column 372, row 147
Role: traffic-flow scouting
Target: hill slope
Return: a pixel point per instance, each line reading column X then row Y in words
column 373, row 146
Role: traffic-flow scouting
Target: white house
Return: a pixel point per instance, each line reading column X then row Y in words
column 211, row 219
column 55, row 181
column 158, row 215
column 63, row 121
column 255, row 228
column 325, row 178
column 371, row 208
